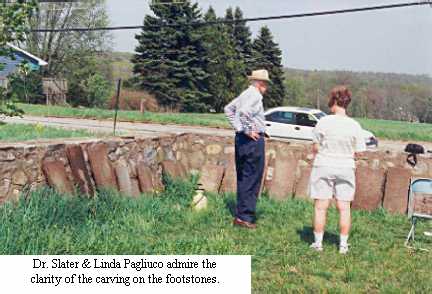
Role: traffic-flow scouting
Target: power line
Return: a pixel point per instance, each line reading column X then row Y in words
column 166, row 3
column 223, row 21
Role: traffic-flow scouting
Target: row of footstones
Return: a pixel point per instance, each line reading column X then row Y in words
column 135, row 166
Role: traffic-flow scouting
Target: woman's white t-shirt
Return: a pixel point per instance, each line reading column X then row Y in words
column 339, row 137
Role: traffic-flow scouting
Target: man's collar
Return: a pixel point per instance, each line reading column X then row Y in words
column 255, row 89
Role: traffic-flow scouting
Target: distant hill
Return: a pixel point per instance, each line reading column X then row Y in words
column 370, row 77
column 375, row 95
column 121, row 65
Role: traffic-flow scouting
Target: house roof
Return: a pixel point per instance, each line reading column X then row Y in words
column 39, row 61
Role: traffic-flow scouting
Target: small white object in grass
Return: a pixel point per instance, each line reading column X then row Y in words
column 199, row 201
column 429, row 234
column 194, row 172
column 343, row 249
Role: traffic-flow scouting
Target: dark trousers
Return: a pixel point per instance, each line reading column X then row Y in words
column 250, row 160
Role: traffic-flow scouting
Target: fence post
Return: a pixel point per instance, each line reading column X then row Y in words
column 117, row 105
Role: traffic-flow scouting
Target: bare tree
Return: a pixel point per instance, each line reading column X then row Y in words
column 61, row 49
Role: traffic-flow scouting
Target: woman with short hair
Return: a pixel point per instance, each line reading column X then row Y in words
column 337, row 138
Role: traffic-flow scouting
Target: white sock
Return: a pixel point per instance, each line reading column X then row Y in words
column 318, row 237
column 344, row 240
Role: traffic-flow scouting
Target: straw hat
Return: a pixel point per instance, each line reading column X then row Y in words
column 259, row 75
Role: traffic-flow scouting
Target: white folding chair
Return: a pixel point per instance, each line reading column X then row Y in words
column 419, row 204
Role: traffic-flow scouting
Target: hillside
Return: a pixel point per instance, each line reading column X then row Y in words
column 121, row 65
column 375, row 95
column 372, row 77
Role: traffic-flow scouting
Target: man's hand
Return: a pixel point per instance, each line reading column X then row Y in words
column 315, row 148
column 253, row 135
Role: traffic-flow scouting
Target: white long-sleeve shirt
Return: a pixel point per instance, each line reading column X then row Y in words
column 246, row 112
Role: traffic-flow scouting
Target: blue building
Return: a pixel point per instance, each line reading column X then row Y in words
column 9, row 65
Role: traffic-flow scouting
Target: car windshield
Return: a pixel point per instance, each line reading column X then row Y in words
column 320, row 115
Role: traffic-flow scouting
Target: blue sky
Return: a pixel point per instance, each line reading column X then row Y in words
column 394, row 40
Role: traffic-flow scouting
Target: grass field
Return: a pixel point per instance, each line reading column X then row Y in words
column 195, row 119
column 384, row 129
column 398, row 130
column 21, row 132
column 47, row 223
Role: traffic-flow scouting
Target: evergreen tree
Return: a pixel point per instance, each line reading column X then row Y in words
column 243, row 37
column 229, row 16
column 239, row 35
column 226, row 73
column 170, row 61
column 267, row 55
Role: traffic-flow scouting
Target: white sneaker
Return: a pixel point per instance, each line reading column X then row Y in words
column 343, row 249
column 316, row 246
column 428, row 234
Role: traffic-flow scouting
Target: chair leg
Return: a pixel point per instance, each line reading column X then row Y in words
column 414, row 223
column 411, row 233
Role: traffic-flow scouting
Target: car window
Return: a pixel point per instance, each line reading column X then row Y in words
column 288, row 117
column 306, row 120
column 320, row 115
column 272, row 116
column 284, row 117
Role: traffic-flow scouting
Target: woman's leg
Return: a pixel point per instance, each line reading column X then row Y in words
column 320, row 215
column 321, row 190
column 344, row 208
column 319, row 221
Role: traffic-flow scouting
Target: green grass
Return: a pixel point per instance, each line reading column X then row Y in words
column 47, row 223
column 384, row 129
column 21, row 132
column 398, row 130
column 196, row 119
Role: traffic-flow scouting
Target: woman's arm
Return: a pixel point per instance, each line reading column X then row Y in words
column 316, row 138
column 360, row 155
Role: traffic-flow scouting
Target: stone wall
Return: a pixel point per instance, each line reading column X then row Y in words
column 133, row 165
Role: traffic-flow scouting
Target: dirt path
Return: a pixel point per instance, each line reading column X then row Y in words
column 127, row 128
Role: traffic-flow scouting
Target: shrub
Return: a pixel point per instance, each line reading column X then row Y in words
column 97, row 90
column 131, row 100
column 27, row 88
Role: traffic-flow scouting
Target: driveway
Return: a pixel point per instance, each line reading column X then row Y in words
column 130, row 128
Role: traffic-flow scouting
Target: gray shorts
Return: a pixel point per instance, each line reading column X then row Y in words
column 326, row 182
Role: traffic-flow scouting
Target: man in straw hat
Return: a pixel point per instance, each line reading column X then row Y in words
column 246, row 115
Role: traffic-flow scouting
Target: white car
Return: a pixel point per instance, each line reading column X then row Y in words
column 298, row 123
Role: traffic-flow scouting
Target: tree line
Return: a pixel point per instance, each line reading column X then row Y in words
column 201, row 68
column 187, row 68
column 375, row 95
column 77, row 57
